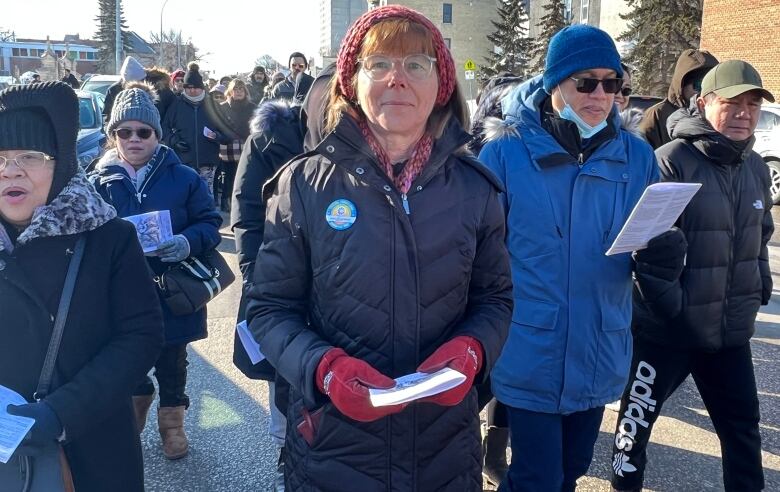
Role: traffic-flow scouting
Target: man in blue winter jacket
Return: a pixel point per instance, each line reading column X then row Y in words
column 572, row 177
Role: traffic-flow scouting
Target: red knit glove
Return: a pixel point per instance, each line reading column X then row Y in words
column 346, row 381
column 464, row 354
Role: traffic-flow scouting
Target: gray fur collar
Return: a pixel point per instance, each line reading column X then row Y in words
column 78, row 208
column 630, row 118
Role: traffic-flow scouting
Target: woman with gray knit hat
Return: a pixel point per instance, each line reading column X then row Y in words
column 139, row 175
column 189, row 127
column 50, row 219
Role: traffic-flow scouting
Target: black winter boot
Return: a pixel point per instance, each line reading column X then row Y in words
column 494, row 465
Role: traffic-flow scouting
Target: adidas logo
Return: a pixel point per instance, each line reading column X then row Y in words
column 758, row 205
column 620, row 464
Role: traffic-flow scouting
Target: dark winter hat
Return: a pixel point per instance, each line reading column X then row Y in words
column 136, row 103
column 353, row 43
column 42, row 117
column 576, row 48
column 193, row 78
column 732, row 78
column 259, row 68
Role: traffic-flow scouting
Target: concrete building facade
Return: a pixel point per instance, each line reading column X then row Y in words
column 335, row 18
column 747, row 31
column 604, row 14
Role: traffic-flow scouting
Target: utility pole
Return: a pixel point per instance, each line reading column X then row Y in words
column 161, row 32
column 118, row 40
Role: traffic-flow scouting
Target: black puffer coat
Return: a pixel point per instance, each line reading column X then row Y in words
column 389, row 290
column 183, row 131
column 728, row 224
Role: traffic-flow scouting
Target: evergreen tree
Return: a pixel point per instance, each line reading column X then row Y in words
column 658, row 31
column 512, row 44
column 106, row 35
column 552, row 22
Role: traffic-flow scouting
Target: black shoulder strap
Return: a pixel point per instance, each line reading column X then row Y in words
column 44, row 383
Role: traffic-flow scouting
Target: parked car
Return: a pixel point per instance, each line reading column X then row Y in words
column 768, row 144
column 99, row 83
column 642, row 102
column 91, row 138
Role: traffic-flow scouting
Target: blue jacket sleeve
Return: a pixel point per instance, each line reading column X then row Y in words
column 491, row 157
column 204, row 221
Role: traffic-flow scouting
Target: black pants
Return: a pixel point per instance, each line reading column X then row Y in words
column 550, row 451
column 170, row 370
column 727, row 386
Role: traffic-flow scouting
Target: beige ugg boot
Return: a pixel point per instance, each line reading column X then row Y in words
column 141, row 405
column 171, row 423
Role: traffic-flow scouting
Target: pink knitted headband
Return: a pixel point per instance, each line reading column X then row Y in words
column 353, row 42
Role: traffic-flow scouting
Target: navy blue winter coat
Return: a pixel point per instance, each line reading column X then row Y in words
column 170, row 185
column 183, row 131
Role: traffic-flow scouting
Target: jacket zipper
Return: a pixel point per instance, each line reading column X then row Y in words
column 405, row 202
column 195, row 140
column 732, row 233
column 149, row 179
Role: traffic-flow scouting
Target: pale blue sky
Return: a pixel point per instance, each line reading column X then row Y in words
column 234, row 32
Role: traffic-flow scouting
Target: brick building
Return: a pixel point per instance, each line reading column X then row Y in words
column 748, row 31
column 23, row 55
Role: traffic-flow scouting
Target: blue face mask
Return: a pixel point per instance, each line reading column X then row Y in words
column 586, row 131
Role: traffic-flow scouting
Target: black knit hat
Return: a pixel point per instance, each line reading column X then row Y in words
column 193, row 78
column 42, row 117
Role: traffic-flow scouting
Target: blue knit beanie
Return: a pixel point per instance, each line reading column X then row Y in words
column 136, row 103
column 577, row 48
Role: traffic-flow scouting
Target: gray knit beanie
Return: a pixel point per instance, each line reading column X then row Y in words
column 135, row 103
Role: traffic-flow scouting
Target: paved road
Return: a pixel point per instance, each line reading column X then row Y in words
column 230, row 449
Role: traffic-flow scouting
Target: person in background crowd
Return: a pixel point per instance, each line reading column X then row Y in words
column 217, row 93
column 225, row 80
column 177, row 81
column 630, row 118
column 189, row 127
column 572, row 177
column 286, row 88
column 277, row 78
column 131, row 71
column 36, row 78
column 211, row 83
column 377, row 290
column 277, row 136
column 139, row 175
column 108, row 343
column 235, row 114
column 70, row 79
column 690, row 69
column 695, row 312
column 160, row 80
column 258, row 81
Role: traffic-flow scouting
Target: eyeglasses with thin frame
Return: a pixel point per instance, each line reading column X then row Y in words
column 26, row 160
column 378, row 67
column 126, row 133
column 587, row 85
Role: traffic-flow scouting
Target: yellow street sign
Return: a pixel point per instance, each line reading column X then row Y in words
column 470, row 65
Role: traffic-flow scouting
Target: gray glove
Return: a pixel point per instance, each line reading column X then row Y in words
column 174, row 250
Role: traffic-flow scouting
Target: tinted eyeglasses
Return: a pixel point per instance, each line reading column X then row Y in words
column 588, row 85
column 626, row 91
column 126, row 133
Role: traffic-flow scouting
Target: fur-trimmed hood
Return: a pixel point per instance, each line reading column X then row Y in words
column 270, row 114
column 78, row 208
column 630, row 118
column 158, row 78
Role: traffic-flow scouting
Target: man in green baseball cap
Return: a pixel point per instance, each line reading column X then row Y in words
column 697, row 317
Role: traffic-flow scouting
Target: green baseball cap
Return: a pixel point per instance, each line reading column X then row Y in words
column 734, row 77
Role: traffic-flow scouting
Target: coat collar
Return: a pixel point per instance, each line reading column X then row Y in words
column 78, row 208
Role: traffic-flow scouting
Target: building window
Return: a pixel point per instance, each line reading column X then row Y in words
column 567, row 10
column 584, row 11
column 447, row 13
column 14, row 51
column 82, row 55
column 90, row 55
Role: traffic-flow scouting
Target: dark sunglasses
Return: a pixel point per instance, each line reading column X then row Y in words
column 587, row 85
column 125, row 133
column 626, row 91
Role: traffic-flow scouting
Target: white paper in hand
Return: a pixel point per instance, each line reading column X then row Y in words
column 415, row 386
column 655, row 213
column 152, row 228
column 248, row 341
column 12, row 428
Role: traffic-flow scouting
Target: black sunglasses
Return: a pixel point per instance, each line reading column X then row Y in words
column 588, row 85
column 626, row 91
column 125, row 133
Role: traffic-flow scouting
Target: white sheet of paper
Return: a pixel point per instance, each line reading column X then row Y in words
column 152, row 228
column 208, row 132
column 12, row 428
column 655, row 213
column 415, row 386
column 248, row 341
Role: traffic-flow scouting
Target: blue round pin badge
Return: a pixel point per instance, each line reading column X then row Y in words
column 341, row 214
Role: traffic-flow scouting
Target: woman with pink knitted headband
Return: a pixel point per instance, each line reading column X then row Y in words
column 384, row 256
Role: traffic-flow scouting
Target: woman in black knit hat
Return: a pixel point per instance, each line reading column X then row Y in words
column 48, row 213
